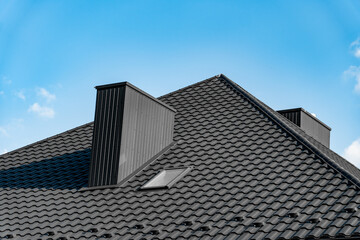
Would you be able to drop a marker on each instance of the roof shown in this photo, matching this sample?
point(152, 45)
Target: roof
point(254, 175)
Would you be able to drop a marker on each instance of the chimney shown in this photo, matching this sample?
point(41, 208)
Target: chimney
point(130, 127)
point(309, 123)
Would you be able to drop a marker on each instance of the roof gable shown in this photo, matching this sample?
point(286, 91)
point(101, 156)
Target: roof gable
point(250, 178)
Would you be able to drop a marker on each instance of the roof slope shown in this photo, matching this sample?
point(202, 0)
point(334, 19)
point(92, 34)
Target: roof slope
point(333, 159)
point(252, 178)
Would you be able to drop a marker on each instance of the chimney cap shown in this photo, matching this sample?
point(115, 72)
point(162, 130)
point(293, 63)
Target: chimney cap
point(121, 84)
point(307, 113)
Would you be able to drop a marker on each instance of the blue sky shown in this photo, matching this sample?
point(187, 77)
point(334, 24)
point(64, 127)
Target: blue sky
point(287, 53)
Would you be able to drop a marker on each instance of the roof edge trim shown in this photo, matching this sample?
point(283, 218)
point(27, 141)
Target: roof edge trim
point(294, 134)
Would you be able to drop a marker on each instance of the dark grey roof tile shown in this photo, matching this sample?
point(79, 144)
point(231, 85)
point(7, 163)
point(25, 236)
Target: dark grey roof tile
point(274, 234)
point(346, 231)
point(244, 164)
point(330, 231)
point(315, 233)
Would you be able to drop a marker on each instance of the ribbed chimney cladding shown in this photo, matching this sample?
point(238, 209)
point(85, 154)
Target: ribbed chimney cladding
point(309, 123)
point(130, 127)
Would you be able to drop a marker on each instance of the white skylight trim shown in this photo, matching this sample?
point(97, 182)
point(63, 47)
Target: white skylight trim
point(166, 178)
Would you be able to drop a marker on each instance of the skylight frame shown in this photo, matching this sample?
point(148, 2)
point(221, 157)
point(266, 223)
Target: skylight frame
point(184, 171)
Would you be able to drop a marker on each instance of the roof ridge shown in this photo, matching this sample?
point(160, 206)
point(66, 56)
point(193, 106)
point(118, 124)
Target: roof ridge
point(262, 107)
point(45, 139)
point(191, 85)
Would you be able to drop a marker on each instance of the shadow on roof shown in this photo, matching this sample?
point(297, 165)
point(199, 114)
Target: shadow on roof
point(68, 171)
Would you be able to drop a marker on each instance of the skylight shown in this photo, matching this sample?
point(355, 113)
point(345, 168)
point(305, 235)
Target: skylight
point(166, 178)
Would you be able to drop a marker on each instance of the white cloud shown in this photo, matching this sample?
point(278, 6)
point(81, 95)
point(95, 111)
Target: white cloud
point(355, 47)
point(20, 94)
point(3, 131)
point(46, 94)
point(353, 72)
point(45, 112)
point(357, 53)
point(352, 152)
